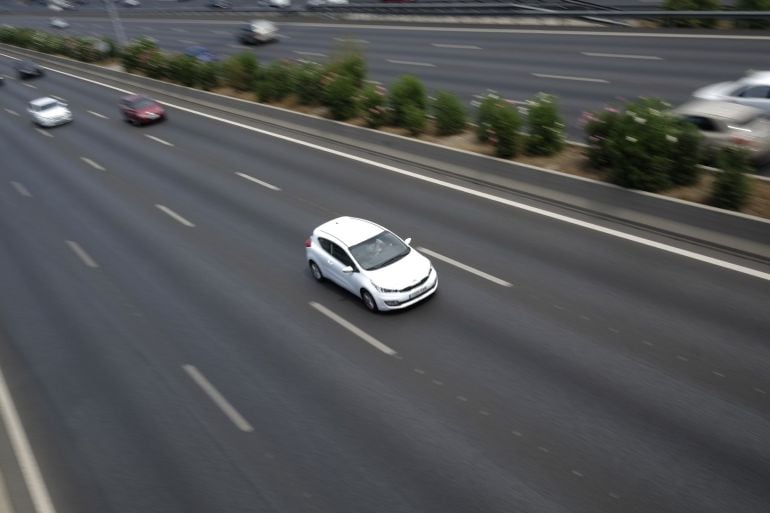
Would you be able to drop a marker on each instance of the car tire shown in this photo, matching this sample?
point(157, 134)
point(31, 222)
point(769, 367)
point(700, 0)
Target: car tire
point(316, 271)
point(369, 301)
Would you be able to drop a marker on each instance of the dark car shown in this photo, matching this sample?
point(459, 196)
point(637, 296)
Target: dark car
point(28, 69)
point(201, 53)
point(140, 110)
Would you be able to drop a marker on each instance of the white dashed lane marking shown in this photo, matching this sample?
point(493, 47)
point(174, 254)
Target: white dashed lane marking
point(456, 47)
point(23, 191)
point(622, 56)
point(310, 54)
point(97, 114)
point(44, 132)
point(353, 329)
point(258, 181)
point(464, 267)
point(12, 112)
point(81, 254)
point(218, 398)
point(158, 139)
point(412, 63)
point(92, 163)
point(565, 77)
point(173, 215)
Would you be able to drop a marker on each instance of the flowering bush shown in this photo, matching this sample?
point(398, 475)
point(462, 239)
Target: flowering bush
point(349, 62)
point(450, 114)
point(486, 110)
point(373, 105)
point(546, 129)
point(644, 146)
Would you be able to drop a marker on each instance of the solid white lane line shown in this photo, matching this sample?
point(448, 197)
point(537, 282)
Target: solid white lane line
point(158, 139)
point(92, 163)
point(12, 112)
point(175, 216)
point(623, 56)
point(81, 253)
point(218, 398)
point(353, 329)
point(412, 63)
point(44, 132)
point(457, 47)
point(464, 267)
point(471, 192)
point(31, 86)
point(30, 470)
point(97, 114)
point(565, 77)
point(23, 191)
point(260, 182)
point(349, 40)
point(311, 54)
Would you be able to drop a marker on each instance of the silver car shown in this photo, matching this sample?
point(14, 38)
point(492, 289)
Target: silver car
point(729, 125)
point(371, 263)
point(49, 112)
point(753, 90)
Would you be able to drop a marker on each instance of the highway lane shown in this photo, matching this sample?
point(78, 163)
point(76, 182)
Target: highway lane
point(534, 397)
point(585, 71)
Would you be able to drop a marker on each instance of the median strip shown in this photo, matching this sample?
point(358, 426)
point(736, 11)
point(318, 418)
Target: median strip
point(464, 267)
point(353, 329)
point(218, 398)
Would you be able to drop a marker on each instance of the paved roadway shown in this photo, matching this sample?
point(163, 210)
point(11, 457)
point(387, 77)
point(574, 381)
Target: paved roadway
point(139, 270)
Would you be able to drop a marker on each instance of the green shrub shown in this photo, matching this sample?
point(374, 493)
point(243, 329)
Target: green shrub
point(546, 129)
point(407, 90)
point(135, 54)
point(486, 111)
point(691, 5)
point(645, 146)
point(208, 75)
point(731, 188)
point(373, 105)
point(450, 114)
point(340, 97)
point(240, 71)
point(275, 84)
point(504, 124)
point(414, 119)
point(158, 66)
point(348, 61)
point(753, 5)
point(307, 83)
point(183, 69)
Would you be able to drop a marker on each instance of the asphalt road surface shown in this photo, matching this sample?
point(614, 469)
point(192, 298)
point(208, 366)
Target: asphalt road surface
point(170, 352)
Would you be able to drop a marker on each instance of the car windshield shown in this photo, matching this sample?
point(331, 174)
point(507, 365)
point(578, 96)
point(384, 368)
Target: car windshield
point(143, 103)
point(45, 106)
point(381, 250)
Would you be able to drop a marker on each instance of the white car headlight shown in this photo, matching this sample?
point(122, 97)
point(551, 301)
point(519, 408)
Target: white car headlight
point(382, 289)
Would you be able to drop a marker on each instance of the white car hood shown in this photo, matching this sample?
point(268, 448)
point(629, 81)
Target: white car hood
point(54, 113)
point(403, 273)
point(714, 91)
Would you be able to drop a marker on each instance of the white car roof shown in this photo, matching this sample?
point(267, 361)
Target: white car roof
point(350, 230)
point(42, 101)
point(757, 77)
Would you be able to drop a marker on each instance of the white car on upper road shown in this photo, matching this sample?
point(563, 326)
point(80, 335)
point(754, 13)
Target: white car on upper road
point(753, 90)
point(49, 112)
point(59, 23)
point(370, 262)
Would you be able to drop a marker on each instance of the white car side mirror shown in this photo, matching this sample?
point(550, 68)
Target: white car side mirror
point(408, 240)
point(348, 269)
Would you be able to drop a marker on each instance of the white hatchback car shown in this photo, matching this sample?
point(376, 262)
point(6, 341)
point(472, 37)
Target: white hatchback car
point(370, 262)
point(48, 112)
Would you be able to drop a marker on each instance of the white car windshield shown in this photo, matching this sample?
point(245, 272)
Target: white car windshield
point(45, 106)
point(381, 250)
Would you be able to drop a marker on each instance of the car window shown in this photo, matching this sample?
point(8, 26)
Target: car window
point(381, 250)
point(325, 244)
point(703, 123)
point(341, 255)
point(760, 91)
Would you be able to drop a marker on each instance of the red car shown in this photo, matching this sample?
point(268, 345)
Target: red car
point(140, 110)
